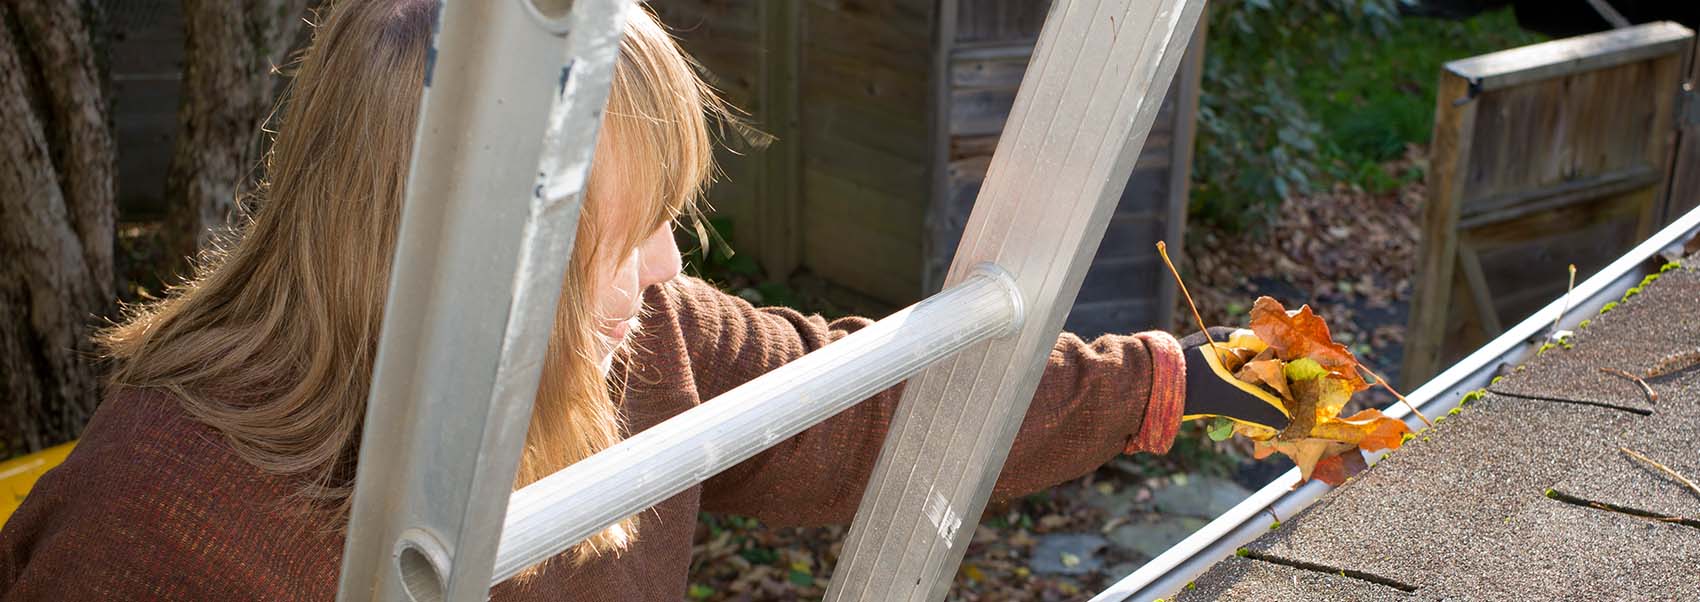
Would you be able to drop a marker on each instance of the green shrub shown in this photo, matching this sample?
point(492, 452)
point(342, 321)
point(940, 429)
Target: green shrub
point(1298, 94)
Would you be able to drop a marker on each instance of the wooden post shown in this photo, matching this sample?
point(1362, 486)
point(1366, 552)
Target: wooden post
point(1682, 192)
point(1449, 156)
point(779, 201)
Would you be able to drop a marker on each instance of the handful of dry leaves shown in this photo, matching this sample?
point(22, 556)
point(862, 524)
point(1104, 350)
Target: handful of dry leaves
point(1294, 358)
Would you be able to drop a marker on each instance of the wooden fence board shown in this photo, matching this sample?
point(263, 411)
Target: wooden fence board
point(1543, 156)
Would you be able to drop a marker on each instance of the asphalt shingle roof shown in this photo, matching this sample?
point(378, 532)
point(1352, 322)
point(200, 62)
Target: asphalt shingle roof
point(1525, 494)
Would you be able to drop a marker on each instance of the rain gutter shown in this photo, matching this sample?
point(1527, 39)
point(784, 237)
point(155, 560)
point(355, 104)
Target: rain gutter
point(1279, 500)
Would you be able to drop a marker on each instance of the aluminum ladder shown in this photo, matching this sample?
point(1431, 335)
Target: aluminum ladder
point(491, 211)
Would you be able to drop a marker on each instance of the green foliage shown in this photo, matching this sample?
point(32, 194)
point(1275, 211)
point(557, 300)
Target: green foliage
point(802, 578)
point(1298, 93)
point(759, 555)
point(714, 260)
point(1221, 429)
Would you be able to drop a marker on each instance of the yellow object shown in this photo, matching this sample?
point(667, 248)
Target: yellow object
point(1215, 362)
point(1246, 339)
point(18, 475)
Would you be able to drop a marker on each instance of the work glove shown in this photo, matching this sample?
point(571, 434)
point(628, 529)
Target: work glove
point(1212, 391)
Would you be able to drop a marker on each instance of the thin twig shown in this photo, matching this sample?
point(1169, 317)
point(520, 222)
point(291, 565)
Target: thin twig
point(1383, 382)
point(1652, 396)
point(1674, 474)
point(1681, 360)
point(1662, 519)
point(1566, 308)
point(1163, 251)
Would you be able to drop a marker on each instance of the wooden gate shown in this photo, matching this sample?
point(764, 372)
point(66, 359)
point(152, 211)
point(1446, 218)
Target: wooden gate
point(1546, 155)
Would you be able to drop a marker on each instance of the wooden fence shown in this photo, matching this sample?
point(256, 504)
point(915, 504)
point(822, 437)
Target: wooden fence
point(1543, 156)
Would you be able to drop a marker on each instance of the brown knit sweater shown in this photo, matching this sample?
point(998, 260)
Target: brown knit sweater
point(154, 506)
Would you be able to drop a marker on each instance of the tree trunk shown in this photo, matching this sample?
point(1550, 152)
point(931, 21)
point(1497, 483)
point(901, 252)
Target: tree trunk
point(56, 220)
point(233, 49)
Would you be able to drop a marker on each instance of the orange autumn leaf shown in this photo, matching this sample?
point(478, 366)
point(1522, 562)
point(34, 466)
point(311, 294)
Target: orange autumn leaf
point(1369, 429)
point(1267, 372)
point(1336, 469)
point(1324, 445)
point(1303, 335)
point(1305, 453)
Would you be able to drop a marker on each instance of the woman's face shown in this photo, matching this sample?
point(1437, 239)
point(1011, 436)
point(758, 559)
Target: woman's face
point(622, 280)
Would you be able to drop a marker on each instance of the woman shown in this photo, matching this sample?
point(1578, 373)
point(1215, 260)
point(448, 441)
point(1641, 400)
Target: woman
point(221, 464)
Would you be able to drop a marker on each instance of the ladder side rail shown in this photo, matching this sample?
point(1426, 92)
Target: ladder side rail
point(562, 509)
point(1091, 94)
point(486, 234)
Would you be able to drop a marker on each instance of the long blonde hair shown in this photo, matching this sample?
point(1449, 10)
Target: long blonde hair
point(272, 341)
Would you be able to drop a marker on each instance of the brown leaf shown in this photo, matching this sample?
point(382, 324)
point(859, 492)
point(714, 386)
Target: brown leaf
point(1335, 470)
point(1305, 453)
point(1369, 429)
point(1266, 372)
point(1303, 334)
point(1315, 401)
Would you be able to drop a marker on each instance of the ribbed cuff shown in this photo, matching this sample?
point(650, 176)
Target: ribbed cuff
point(1168, 396)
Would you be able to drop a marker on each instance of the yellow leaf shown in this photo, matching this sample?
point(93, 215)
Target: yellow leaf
point(1370, 430)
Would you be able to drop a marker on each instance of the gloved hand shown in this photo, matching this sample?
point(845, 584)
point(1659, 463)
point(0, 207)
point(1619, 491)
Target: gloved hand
point(1213, 391)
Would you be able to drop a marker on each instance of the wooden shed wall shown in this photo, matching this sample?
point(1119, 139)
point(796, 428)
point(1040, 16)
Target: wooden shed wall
point(1126, 288)
point(865, 160)
point(725, 36)
point(857, 71)
point(897, 112)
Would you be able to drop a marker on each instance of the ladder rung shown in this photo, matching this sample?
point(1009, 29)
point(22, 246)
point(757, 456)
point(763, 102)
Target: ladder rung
point(564, 508)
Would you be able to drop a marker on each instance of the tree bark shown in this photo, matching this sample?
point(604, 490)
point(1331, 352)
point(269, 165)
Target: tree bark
point(56, 220)
point(233, 50)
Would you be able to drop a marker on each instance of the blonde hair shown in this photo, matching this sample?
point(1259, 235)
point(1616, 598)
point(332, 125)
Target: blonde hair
point(272, 341)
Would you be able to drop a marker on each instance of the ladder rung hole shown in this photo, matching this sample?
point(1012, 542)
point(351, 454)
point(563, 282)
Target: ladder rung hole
point(551, 14)
point(418, 575)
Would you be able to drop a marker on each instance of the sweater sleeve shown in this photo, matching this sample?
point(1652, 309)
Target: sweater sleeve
point(1118, 393)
